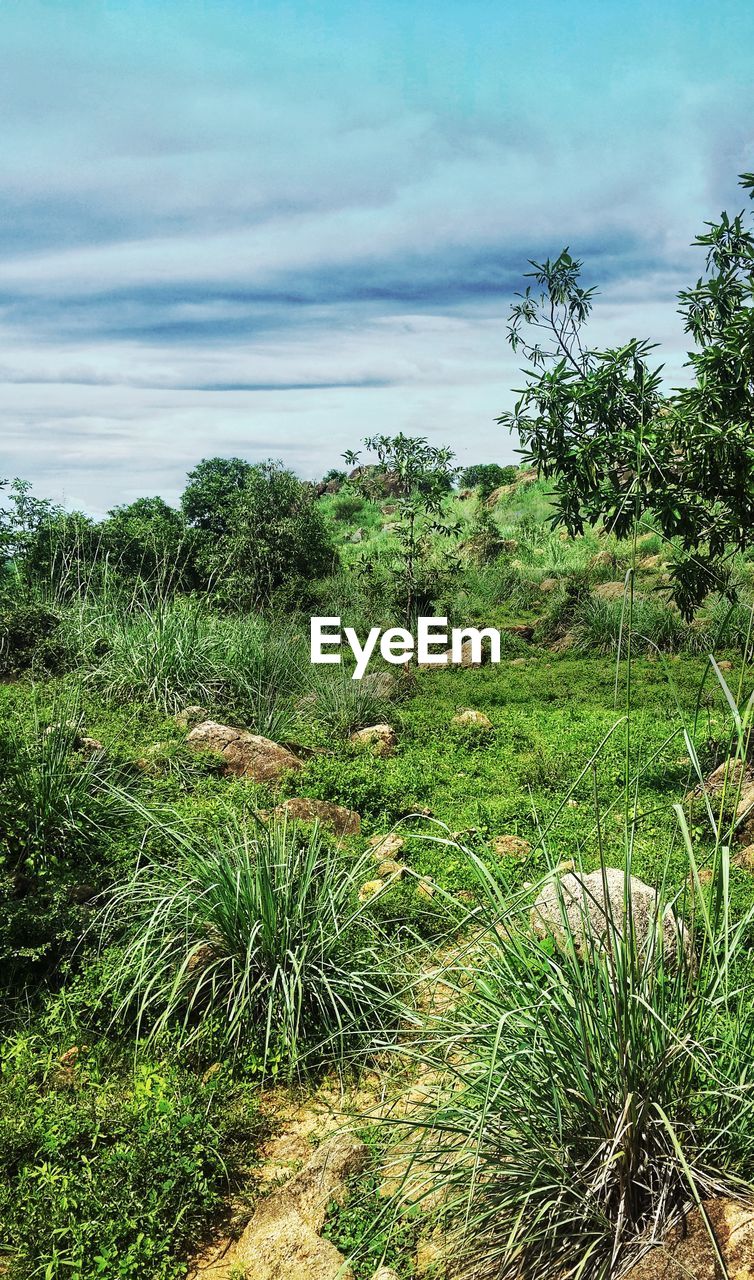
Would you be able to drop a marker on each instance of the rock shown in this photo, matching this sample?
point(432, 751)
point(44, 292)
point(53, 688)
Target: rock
point(511, 847)
point(581, 900)
point(602, 560)
point(744, 859)
point(90, 746)
point(547, 585)
point(688, 1252)
point(725, 665)
point(245, 755)
point(522, 630)
point(357, 536)
point(471, 719)
point(82, 893)
point(430, 1259)
point(518, 662)
point(370, 889)
point(390, 868)
point(336, 818)
point(497, 495)
point(386, 846)
point(380, 684)
point(651, 562)
point(610, 590)
point(385, 1273)
point(563, 643)
point(282, 1241)
point(189, 716)
point(380, 738)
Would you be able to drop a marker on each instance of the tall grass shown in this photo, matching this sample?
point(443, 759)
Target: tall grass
point(56, 802)
point(251, 941)
point(169, 653)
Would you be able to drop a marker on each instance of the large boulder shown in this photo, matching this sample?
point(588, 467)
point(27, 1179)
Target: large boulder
point(282, 1241)
point(688, 1251)
point(584, 905)
point(336, 818)
point(245, 755)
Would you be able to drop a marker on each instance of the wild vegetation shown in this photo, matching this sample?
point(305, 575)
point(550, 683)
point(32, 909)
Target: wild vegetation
point(219, 895)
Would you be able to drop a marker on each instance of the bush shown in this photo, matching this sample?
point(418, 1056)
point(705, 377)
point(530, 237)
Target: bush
point(586, 1095)
point(106, 1173)
point(250, 943)
point(29, 636)
point(486, 476)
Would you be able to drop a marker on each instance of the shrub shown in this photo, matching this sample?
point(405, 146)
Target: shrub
point(487, 476)
point(600, 624)
point(28, 637)
point(342, 704)
point(111, 1173)
point(251, 942)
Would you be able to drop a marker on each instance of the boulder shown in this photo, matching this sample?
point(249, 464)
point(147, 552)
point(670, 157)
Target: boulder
point(245, 755)
point(744, 859)
point(521, 630)
point(336, 818)
point(471, 719)
point(380, 684)
point(511, 847)
point(547, 585)
point(581, 901)
point(282, 1241)
point(379, 738)
point(688, 1251)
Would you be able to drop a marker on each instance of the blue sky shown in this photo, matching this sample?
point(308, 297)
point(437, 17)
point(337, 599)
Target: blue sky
point(271, 229)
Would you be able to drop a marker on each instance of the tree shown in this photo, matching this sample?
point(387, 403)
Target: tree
point(619, 448)
point(209, 499)
point(486, 476)
point(275, 538)
point(151, 540)
point(421, 477)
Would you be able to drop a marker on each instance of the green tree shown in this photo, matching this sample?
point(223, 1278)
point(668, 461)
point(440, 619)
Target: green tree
point(420, 477)
point(617, 447)
point(486, 476)
point(275, 540)
point(209, 499)
point(151, 540)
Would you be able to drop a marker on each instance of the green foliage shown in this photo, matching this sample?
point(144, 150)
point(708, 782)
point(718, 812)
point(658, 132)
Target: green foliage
point(598, 424)
point(147, 539)
point(250, 941)
point(486, 476)
point(273, 541)
point(110, 1173)
point(28, 636)
point(419, 476)
point(209, 500)
point(171, 653)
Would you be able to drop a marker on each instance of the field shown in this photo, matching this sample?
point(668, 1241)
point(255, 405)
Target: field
point(187, 970)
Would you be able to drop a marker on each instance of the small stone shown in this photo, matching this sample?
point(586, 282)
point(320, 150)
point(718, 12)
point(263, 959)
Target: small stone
point(725, 665)
point(189, 716)
point(518, 662)
point(511, 847)
point(389, 869)
point(744, 859)
point(471, 719)
point(370, 889)
point(385, 1273)
point(547, 585)
point(336, 818)
point(380, 738)
point(386, 846)
point(571, 803)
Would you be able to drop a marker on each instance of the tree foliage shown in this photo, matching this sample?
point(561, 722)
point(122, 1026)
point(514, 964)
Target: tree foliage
point(618, 447)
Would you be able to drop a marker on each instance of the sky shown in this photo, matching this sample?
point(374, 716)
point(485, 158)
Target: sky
point(271, 229)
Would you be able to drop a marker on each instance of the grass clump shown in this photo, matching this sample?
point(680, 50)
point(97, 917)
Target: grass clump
point(252, 942)
point(591, 1092)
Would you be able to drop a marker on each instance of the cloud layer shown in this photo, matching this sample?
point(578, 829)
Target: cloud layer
point(228, 230)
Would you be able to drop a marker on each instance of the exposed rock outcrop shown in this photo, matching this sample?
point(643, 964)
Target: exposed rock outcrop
point(245, 755)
